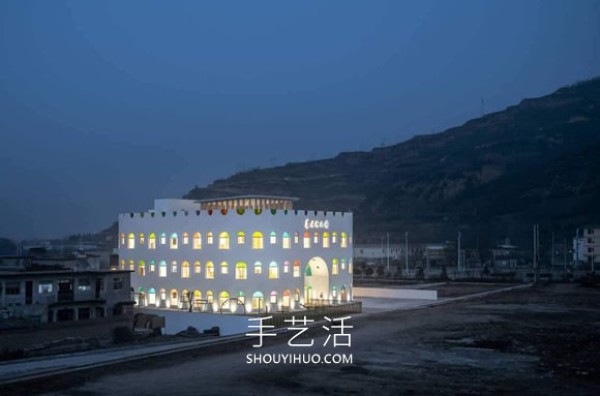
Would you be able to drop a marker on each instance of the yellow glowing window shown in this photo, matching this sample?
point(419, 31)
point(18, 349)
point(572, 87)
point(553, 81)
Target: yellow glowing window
point(258, 268)
point(334, 237)
point(241, 271)
point(344, 240)
point(224, 268)
point(285, 241)
point(306, 240)
point(131, 241)
point(185, 269)
point(141, 268)
point(296, 268)
point(241, 238)
point(273, 238)
point(257, 240)
point(123, 264)
point(197, 267)
point(209, 296)
point(258, 301)
point(334, 267)
point(162, 269)
point(325, 239)
point(185, 238)
point(197, 295)
point(273, 270)
point(197, 242)
point(210, 270)
point(209, 238)
point(152, 241)
point(241, 297)
point(142, 238)
point(174, 244)
point(131, 265)
point(224, 241)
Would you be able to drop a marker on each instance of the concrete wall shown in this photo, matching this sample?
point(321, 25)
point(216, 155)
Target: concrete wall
point(395, 293)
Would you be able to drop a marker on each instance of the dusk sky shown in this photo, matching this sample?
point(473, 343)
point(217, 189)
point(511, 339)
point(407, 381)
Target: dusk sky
point(105, 106)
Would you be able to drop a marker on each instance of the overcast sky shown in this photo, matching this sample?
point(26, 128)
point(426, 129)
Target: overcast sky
point(106, 105)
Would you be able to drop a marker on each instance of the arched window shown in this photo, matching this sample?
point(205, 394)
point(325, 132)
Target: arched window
point(122, 239)
point(273, 297)
point(162, 269)
point(343, 264)
point(151, 296)
point(209, 238)
point(241, 238)
point(344, 240)
point(152, 241)
point(296, 238)
point(142, 238)
point(334, 237)
point(224, 300)
point(174, 298)
point(241, 296)
point(210, 270)
point(163, 238)
point(258, 268)
point(141, 268)
point(296, 268)
point(334, 292)
point(185, 238)
point(131, 265)
point(131, 241)
point(197, 242)
point(209, 296)
point(123, 264)
point(174, 242)
point(174, 266)
point(306, 240)
point(286, 267)
point(224, 268)
point(286, 298)
point(241, 271)
point(285, 241)
point(273, 270)
point(350, 267)
point(224, 240)
point(258, 301)
point(152, 266)
point(316, 237)
point(197, 295)
point(334, 267)
point(163, 296)
point(273, 238)
point(197, 267)
point(257, 240)
point(185, 269)
point(325, 239)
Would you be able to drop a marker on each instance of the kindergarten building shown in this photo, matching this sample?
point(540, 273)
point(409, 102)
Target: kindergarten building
point(237, 254)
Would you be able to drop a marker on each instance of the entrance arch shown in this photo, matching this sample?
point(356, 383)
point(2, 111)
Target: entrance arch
point(316, 281)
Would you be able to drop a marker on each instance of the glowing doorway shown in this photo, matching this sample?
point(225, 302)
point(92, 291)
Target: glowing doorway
point(316, 281)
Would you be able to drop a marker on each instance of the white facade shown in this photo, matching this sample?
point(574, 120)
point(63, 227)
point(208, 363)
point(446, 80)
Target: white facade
point(267, 259)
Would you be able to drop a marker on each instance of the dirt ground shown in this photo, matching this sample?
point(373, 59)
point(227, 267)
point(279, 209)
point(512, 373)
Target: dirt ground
point(537, 341)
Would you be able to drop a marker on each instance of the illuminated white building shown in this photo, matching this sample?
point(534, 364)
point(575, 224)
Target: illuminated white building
point(251, 253)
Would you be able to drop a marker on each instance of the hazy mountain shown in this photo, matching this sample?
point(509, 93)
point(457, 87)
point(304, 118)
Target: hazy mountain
point(494, 176)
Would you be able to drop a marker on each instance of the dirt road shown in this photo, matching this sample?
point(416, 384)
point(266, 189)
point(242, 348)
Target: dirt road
point(538, 341)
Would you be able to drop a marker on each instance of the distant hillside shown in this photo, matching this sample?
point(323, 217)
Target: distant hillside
point(494, 176)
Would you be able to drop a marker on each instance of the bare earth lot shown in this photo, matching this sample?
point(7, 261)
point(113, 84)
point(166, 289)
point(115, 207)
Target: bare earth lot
point(537, 341)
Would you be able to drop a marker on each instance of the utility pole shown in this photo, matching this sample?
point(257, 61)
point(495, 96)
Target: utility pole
point(458, 256)
point(388, 252)
point(406, 252)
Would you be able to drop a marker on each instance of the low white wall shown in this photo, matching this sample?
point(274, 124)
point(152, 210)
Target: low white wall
point(176, 321)
point(395, 293)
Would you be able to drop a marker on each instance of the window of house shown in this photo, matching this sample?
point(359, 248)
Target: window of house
point(197, 267)
point(131, 241)
point(174, 241)
point(241, 238)
point(185, 238)
point(209, 238)
point(334, 237)
point(343, 264)
point(122, 239)
point(197, 241)
point(334, 267)
point(273, 270)
point(117, 283)
point(152, 241)
point(325, 239)
point(131, 265)
point(258, 268)
point(241, 270)
point(162, 269)
point(84, 284)
point(174, 266)
point(210, 270)
point(224, 268)
point(273, 238)
point(142, 238)
point(344, 240)
point(296, 238)
point(296, 268)
point(286, 267)
point(45, 287)
point(152, 266)
point(306, 240)
point(163, 238)
point(316, 237)
point(257, 240)
point(285, 241)
point(141, 268)
point(185, 269)
point(224, 241)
